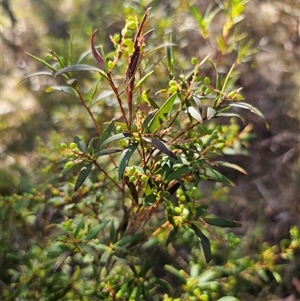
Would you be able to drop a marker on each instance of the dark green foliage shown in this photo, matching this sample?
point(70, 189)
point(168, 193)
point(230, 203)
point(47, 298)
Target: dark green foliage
point(120, 214)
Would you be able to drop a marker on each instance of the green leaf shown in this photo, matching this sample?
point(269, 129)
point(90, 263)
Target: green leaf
point(70, 50)
point(103, 95)
point(221, 114)
point(83, 174)
point(201, 210)
point(170, 57)
point(47, 73)
point(142, 80)
point(216, 176)
point(112, 232)
point(59, 59)
point(83, 56)
point(114, 138)
point(160, 145)
point(42, 62)
point(135, 272)
point(227, 79)
point(211, 113)
point(198, 103)
point(172, 235)
point(150, 199)
point(153, 50)
point(149, 263)
point(175, 272)
point(80, 67)
point(125, 157)
point(207, 276)
point(178, 173)
point(222, 222)
point(128, 239)
point(194, 113)
point(89, 250)
point(79, 227)
point(147, 120)
point(106, 151)
point(105, 256)
point(204, 242)
point(80, 144)
point(65, 89)
point(94, 231)
point(162, 113)
point(233, 166)
point(62, 257)
point(247, 106)
point(138, 293)
point(106, 133)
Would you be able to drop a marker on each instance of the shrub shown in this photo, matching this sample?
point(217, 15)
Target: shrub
point(122, 216)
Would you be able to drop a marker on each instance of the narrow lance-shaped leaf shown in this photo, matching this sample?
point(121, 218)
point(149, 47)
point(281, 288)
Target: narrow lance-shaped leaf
point(94, 231)
point(216, 176)
point(83, 174)
point(59, 59)
point(42, 62)
point(141, 81)
point(106, 133)
point(149, 262)
point(194, 113)
point(125, 157)
point(88, 249)
point(223, 87)
point(62, 257)
point(170, 57)
point(198, 104)
point(160, 145)
point(80, 67)
point(95, 52)
point(178, 173)
point(175, 272)
point(79, 227)
point(128, 239)
point(161, 114)
point(65, 89)
point(221, 114)
point(222, 222)
point(115, 138)
point(172, 235)
point(155, 49)
point(247, 106)
point(106, 151)
point(148, 119)
point(204, 60)
point(227, 79)
point(231, 165)
point(211, 113)
point(80, 144)
point(112, 232)
point(47, 73)
point(204, 242)
point(70, 50)
point(138, 292)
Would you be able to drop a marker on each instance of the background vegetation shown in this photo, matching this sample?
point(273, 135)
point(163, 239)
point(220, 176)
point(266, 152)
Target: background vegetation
point(265, 265)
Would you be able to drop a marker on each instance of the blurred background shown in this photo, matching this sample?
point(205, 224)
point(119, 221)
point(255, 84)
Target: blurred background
point(266, 201)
